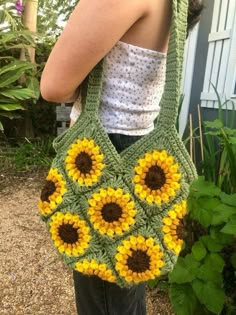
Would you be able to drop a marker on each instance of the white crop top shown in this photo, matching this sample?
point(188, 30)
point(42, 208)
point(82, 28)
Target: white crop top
point(133, 84)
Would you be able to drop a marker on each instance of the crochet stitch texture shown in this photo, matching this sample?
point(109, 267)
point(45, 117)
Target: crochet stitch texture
point(119, 216)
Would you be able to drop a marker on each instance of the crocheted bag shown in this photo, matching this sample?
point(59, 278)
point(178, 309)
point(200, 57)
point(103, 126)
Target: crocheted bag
point(119, 216)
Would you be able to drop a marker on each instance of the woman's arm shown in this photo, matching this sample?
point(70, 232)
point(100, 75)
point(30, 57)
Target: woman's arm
point(94, 27)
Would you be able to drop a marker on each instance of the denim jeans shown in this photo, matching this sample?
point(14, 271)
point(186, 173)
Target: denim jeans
point(95, 296)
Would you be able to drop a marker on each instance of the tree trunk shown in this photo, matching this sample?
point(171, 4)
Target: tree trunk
point(29, 19)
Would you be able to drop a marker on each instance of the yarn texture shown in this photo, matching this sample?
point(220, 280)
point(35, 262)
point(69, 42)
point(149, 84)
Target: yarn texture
point(120, 216)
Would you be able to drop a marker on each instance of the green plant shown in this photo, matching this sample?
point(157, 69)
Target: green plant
point(224, 159)
point(38, 152)
point(52, 15)
point(13, 37)
point(217, 141)
point(203, 280)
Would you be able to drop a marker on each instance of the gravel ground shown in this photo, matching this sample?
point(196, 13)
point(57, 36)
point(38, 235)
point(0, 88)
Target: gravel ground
point(34, 281)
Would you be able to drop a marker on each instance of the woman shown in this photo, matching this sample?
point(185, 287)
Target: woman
point(133, 35)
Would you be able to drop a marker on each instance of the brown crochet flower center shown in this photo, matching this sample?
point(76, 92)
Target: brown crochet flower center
point(48, 189)
point(84, 162)
point(155, 177)
point(68, 233)
point(111, 212)
point(180, 230)
point(139, 261)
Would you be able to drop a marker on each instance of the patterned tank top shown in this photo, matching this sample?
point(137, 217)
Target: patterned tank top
point(134, 79)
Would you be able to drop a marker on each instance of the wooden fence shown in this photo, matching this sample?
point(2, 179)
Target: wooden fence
point(221, 59)
point(63, 117)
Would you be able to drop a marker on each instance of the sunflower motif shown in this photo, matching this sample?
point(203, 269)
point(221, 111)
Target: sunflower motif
point(84, 162)
point(173, 227)
point(111, 211)
point(94, 268)
point(52, 193)
point(156, 177)
point(69, 233)
point(139, 259)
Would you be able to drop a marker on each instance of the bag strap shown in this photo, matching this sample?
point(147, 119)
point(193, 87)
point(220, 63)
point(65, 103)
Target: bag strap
point(170, 99)
point(92, 89)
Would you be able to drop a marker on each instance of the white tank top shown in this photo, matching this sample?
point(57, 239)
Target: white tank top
point(133, 84)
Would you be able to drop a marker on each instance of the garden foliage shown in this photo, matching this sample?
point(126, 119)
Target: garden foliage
point(204, 279)
point(219, 147)
point(14, 90)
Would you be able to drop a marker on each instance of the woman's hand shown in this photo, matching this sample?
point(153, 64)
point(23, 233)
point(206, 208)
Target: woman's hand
point(94, 27)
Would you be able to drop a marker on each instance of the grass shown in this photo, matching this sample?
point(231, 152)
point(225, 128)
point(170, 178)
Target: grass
point(27, 154)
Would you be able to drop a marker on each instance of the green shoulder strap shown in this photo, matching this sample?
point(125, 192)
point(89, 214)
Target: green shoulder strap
point(170, 99)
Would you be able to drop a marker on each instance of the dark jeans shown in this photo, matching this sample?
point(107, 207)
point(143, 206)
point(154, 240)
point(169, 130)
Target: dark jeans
point(95, 296)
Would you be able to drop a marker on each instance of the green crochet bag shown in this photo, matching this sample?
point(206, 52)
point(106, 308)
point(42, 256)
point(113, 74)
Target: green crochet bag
point(119, 216)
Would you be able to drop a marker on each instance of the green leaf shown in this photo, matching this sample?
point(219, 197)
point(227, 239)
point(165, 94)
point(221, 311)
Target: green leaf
point(12, 77)
point(221, 213)
point(199, 251)
point(201, 209)
point(212, 244)
point(10, 107)
point(1, 126)
point(183, 299)
point(228, 199)
point(212, 296)
point(222, 238)
point(20, 45)
point(212, 133)
point(202, 216)
point(209, 203)
point(215, 124)
point(15, 66)
point(18, 93)
point(230, 227)
point(232, 140)
point(220, 105)
point(152, 283)
point(207, 272)
point(185, 270)
point(33, 85)
point(8, 79)
point(10, 115)
point(4, 100)
point(200, 188)
point(231, 157)
point(163, 285)
point(215, 261)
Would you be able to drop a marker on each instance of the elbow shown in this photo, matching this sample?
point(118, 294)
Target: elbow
point(57, 89)
point(52, 93)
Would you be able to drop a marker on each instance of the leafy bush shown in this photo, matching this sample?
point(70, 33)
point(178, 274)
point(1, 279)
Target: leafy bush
point(26, 155)
point(13, 38)
point(217, 141)
point(204, 277)
point(38, 152)
point(203, 280)
point(220, 155)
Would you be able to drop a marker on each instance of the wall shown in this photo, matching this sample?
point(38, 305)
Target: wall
point(200, 60)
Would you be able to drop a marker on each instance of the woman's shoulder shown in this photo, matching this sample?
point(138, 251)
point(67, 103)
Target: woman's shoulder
point(94, 27)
